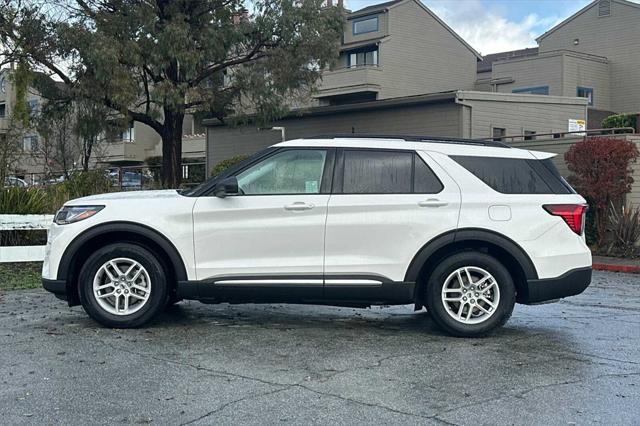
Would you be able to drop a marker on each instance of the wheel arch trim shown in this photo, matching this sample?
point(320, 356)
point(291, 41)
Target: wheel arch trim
point(145, 231)
point(471, 235)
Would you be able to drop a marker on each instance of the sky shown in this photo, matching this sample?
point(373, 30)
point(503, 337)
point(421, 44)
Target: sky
point(491, 26)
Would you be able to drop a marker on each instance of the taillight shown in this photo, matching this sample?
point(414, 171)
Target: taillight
point(573, 214)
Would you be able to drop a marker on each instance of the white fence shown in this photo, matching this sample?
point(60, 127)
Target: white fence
point(23, 222)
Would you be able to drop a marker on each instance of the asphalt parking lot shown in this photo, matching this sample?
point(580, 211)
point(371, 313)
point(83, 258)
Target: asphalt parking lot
point(577, 361)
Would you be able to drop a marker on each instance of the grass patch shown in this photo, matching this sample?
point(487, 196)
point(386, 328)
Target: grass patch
point(17, 276)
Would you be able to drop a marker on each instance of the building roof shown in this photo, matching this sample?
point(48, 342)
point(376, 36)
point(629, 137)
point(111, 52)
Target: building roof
point(580, 12)
point(487, 61)
point(375, 7)
point(454, 96)
point(394, 3)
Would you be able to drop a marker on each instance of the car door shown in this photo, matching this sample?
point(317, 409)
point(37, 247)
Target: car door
point(267, 242)
point(385, 206)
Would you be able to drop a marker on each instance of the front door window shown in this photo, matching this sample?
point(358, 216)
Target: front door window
point(287, 172)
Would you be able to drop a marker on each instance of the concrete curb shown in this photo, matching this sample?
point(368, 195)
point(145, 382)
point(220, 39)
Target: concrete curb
point(629, 269)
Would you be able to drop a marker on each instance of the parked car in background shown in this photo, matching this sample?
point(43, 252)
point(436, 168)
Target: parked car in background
point(13, 181)
point(130, 179)
point(463, 228)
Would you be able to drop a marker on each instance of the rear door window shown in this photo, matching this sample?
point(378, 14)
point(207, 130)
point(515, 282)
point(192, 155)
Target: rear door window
point(516, 175)
point(386, 172)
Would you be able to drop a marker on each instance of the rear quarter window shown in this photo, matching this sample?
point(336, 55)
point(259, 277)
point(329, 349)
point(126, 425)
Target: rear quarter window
point(516, 175)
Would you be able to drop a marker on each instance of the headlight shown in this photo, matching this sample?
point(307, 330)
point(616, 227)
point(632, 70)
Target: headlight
point(71, 214)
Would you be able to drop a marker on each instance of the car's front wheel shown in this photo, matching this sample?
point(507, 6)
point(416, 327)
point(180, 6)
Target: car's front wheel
point(122, 285)
point(470, 293)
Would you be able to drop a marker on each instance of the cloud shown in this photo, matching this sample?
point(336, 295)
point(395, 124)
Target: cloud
point(487, 30)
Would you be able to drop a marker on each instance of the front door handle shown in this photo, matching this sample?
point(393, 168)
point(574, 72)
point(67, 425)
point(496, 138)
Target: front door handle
point(299, 206)
point(432, 202)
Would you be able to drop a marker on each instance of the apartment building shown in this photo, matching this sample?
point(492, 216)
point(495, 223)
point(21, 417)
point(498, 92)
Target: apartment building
point(128, 147)
point(394, 49)
point(27, 141)
point(594, 54)
point(401, 69)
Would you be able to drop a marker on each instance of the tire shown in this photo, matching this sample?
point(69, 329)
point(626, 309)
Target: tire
point(146, 291)
point(466, 318)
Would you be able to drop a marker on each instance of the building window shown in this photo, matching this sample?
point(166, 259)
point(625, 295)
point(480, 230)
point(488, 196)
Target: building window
point(604, 8)
point(33, 107)
point(30, 143)
point(529, 135)
point(498, 134)
point(128, 135)
point(363, 58)
point(585, 92)
point(3, 110)
point(365, 25)
point(540, 90)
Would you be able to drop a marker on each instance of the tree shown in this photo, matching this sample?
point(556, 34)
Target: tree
point(92, 121)
point(58, 147)
point(152, 61)
point(601, 172)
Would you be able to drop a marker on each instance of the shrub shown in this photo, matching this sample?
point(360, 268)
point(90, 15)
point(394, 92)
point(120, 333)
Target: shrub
point(225, 164)
point(81, 184)
point(625, 230)
point(601, 172)
point(17, 200)
point(620, 120)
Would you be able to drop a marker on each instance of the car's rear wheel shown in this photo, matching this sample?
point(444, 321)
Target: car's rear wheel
point(470, 293)
point(122, 285)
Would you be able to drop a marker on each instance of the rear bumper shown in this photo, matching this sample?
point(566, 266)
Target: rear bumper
point(568, 284)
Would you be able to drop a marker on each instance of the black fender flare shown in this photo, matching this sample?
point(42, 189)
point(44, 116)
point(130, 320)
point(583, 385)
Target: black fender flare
point(156, 237)
point(471, 235)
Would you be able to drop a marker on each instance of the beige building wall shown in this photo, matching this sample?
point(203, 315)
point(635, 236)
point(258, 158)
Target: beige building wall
point(616, 37)
point(562, 71)
point(439, 119)
point(516, 113)
point(422, 55)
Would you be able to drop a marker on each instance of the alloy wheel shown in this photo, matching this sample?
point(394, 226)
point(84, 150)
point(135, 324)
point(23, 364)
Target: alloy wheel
point(470, 295)
point(122, 286)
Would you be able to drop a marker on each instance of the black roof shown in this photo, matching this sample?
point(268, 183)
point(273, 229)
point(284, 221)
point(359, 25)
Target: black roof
point(413, 138)
point(487, 60)
point(375, 7)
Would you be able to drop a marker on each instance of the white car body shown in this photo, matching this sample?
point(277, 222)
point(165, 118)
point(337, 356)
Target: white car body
point(322, 243)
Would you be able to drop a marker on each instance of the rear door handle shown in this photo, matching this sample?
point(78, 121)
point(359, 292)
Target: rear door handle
point(299, 206)
point(432, 202)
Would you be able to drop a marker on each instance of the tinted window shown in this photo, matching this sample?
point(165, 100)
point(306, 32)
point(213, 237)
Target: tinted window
point(514, 175)
point(425, 181)
point(287, 172)
point(366, 25)
point(387, 172)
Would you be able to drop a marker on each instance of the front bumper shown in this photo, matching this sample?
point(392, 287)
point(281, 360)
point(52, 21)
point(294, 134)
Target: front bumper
point(57, 287)
point(570, 283)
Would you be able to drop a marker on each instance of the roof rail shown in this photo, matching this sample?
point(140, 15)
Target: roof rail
point(411, 138)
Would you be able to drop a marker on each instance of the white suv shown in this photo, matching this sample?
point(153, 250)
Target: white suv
point(463, 228)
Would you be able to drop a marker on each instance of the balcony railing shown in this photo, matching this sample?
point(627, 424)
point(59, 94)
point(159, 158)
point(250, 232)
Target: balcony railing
point(351, 77)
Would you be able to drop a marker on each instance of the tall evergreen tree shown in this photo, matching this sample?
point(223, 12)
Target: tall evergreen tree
point(153, 61)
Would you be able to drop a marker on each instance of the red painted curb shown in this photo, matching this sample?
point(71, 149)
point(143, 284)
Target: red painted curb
point(630, 269)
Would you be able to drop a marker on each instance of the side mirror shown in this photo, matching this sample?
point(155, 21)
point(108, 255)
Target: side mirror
point(227, 186)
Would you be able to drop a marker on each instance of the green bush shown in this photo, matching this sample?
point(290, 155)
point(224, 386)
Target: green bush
point(81, 184)
point(42, 200)
point(225, 164)
point(17, 200)
point(620, 120)
point(624, 226)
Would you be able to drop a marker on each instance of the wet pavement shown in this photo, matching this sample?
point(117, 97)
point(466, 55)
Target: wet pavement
point(576, 361)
